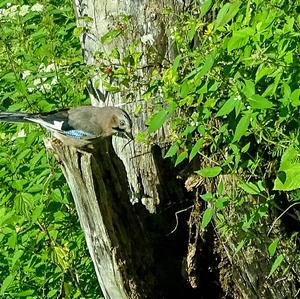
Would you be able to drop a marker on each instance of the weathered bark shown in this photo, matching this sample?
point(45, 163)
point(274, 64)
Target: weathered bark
point(146, 19)
point(113, 232)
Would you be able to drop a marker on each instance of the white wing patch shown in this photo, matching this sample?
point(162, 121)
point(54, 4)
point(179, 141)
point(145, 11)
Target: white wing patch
point(55, 127)
point(58, 124)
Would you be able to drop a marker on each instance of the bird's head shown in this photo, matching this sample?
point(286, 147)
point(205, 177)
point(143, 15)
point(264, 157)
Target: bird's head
point(122, 124)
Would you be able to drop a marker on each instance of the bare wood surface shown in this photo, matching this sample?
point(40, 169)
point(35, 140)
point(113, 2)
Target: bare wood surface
point(113, 232)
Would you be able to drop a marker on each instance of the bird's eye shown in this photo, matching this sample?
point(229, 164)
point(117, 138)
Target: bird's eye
point(122, 123)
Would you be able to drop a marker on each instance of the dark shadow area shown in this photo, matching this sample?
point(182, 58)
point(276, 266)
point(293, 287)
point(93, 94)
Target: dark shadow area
point(170, 249)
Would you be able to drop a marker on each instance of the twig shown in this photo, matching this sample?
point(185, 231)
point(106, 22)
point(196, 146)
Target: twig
point(294, 204)
point(126, 144)
point(176, 216)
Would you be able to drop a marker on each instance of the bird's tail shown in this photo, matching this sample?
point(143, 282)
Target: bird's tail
point(15, 117)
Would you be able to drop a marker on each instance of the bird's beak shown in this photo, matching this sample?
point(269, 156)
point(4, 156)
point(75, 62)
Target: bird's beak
point(129, 135)
point(124, 134)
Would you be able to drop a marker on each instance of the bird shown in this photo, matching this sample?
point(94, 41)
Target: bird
point(80, 126)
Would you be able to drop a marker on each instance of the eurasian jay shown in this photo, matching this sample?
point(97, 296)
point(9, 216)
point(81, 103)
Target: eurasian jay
point(80, 126)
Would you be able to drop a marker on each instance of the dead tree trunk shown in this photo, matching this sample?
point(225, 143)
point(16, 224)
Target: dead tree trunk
point(145, 19)
point(114, 234)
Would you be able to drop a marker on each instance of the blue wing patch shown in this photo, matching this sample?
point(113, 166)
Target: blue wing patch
point(78, 134)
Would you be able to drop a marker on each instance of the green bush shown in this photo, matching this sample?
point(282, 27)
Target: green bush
point(42, 248)
point(231, 102)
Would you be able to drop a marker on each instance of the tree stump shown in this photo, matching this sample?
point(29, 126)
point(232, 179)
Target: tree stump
point(113, 231)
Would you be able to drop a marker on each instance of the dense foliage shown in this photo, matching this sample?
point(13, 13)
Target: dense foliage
point(231, 99)
point(42, 249)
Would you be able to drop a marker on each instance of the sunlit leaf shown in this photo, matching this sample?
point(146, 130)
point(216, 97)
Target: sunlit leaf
point(109, 36)
point(157, 121)
point(258, 102)
point(227, 107)
point(262, 72)
point(172, 150)
point(6, 283)
point(288, 177)
point(272, 247)
point(250, 188)
point(227, 12)
point(276, 264)
point(240, 245)
point(242, 127)
point(239, 39)
point(209, 171)
point(196, 149)
point(205, 7)
point(181, 157)
point(206, 218)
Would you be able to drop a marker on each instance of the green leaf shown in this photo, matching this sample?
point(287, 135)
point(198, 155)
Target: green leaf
point(16, 257)
point(209, 171)
point(288, 177)
point(68, 287)
point(289, 158)
point(6, 283)
point(39, 34)
point(37, 212)
point(276, 264)
point(240, 246)
point(242, 127)
point(172, 150)
point(295, 98)
point(289, 57)
point(10, 77)
point(111, 87)
point(205, 7)
point(249, 88)
point(36, 188)
point(207, 196)
point(227, 107)
point(181, 157)
point(24, 153)
point(12, 240)
point(77, 31)
point(207, 216)
point(226, 13)
point(250, 188)
point(263, 71)
point(185, 89)
point(258, 102)
point(220, 188)
point(52, 293)
point(272, 247)
point(157, 121)
point(196, 149)
point(26, 293)
point(109, 36)
point(176, 63)
point(239, 39)
point(246, 147)
point(207, 65)
point(19, 184)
